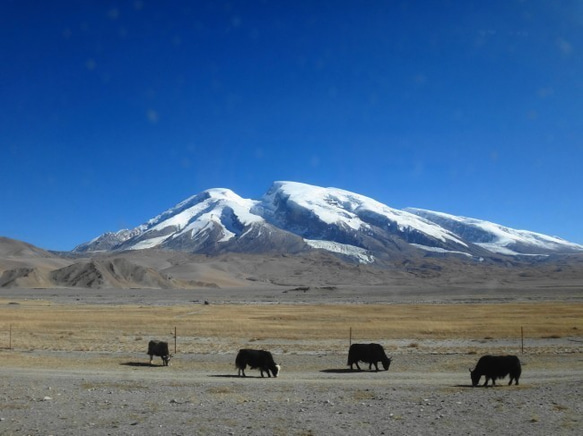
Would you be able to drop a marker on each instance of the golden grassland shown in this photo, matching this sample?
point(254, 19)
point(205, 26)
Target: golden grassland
point(34, 325)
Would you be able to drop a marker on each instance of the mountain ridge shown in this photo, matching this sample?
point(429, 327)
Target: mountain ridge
point(315, 269)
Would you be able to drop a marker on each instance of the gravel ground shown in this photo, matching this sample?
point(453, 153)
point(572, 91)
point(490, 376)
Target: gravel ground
point(424, 392)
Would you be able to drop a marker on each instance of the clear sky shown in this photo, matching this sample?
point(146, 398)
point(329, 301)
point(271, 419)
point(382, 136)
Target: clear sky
point(113, 111)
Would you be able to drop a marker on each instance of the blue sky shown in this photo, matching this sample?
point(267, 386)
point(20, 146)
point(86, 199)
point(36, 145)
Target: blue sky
point(114, 111)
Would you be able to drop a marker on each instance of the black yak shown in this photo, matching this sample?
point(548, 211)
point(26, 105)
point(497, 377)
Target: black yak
point(368, 353)
point(495, 367)
point(256, 359)
point(159, 348)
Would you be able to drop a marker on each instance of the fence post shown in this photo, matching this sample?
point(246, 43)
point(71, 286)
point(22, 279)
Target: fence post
point(350, 337)
point(174, 339)
point(521, 340)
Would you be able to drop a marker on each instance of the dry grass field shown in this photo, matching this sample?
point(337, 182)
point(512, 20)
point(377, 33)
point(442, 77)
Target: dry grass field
point(41, 325)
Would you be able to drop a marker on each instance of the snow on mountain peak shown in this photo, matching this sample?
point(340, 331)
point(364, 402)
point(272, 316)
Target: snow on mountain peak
point(495, 237)
point(335, 206)
point(330, 205)
point(214, 210)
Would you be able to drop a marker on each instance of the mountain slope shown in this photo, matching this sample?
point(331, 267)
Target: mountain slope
point(337, 216)
point(295, 217)
point(21, 262)
point(12, 248)
point(112, 273)
point(496, 238)
point(214, 221)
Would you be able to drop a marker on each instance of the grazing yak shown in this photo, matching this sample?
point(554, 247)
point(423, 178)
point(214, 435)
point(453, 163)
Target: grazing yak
point(368, 353)
point(495, 367)
point(159, 348)
point(256, 359)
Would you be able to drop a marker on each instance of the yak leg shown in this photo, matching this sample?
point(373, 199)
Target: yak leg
point(493, 381)
point(376, 367)
point(151, 359)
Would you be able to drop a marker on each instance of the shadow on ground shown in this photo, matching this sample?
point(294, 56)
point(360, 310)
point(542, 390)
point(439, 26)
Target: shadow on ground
point(140, 364)
point(236, 376)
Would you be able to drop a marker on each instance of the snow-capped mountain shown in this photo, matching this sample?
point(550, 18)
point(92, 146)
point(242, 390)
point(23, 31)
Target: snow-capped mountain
point(294, 217)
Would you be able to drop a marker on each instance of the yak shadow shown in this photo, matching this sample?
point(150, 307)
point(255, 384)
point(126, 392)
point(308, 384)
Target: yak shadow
point(224, 375)
point(471, 386)
point(140, 364)
point(237, 376)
